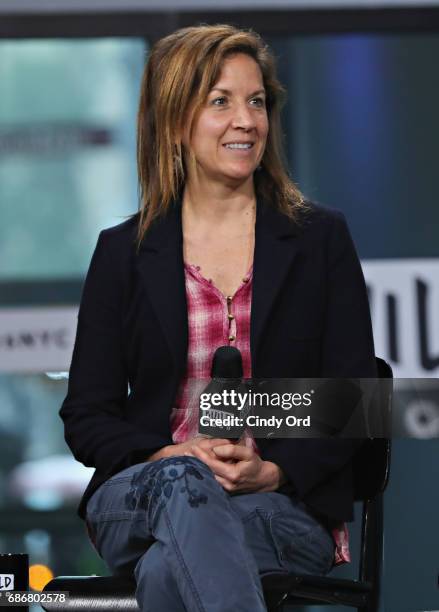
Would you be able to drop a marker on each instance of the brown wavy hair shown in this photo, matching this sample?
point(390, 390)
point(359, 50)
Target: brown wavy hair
point(181, 70)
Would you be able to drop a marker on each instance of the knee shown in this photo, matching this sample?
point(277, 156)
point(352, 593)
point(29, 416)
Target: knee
point(179, 469)
point(183, 461)
point(185, 477)
point(179, 476)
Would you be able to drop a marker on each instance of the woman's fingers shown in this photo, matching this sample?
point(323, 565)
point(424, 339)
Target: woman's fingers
point(213, 442)
point(209, 443)
point(234, 451)
point(234, 466)
point(229, 471)
point(226, 485)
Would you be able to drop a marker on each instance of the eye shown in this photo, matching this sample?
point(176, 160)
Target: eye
point(220, 101)
point(258, 101)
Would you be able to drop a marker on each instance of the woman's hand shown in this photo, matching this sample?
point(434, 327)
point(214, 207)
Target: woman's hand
point(206, 444)
point(238, 468)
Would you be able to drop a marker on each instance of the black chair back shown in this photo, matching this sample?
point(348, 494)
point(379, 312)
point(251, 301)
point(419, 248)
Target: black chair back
point(372, 462)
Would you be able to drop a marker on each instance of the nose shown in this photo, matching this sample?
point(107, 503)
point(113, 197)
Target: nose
point(242, 117)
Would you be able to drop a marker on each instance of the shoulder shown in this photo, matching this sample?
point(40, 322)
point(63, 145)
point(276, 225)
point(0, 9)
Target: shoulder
point(110, 268)
point(115, 250)
point(122, 236)
point(315, 217)
point(311, 223)
point(328, 227)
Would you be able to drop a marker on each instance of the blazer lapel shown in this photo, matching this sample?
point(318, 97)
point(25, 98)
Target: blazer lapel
point(161, 267)
point(275, 250)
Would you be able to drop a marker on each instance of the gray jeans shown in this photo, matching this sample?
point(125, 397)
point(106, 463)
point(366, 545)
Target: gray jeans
point(192, 546)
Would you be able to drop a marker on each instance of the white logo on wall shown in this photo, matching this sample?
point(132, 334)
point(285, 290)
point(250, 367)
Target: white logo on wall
point(36, 339)
point(6, 582)
point(404, 301)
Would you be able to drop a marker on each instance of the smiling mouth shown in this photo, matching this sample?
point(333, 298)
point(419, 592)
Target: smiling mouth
point(239, 146)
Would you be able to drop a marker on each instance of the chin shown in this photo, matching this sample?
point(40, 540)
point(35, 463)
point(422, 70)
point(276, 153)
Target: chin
point(238, 178)
point(240, 174)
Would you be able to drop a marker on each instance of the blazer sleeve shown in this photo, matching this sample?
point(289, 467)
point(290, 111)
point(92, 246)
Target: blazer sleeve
point(347, 351)
point(95, 428)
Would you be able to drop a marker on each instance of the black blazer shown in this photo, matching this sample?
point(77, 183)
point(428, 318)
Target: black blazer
point(309, 318)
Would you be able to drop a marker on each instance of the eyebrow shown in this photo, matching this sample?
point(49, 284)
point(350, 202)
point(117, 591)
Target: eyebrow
point(227, 91)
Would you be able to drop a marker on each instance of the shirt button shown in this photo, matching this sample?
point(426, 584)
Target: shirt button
point(231, 338)
point(229, 298)
point(230, 317)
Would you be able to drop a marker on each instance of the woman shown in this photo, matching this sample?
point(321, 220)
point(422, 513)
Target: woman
point(223, 251)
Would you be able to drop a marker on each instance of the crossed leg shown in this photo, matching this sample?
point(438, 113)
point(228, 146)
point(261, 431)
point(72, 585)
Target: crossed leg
point(192, 546)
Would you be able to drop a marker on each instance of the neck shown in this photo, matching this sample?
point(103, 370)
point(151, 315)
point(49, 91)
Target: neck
point(219, 204)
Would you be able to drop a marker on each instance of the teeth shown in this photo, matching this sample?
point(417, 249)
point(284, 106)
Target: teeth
point(236, 145)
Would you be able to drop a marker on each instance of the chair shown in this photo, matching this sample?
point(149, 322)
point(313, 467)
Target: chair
point(371, 472)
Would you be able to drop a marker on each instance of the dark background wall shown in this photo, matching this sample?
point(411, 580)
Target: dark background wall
point(363, 129)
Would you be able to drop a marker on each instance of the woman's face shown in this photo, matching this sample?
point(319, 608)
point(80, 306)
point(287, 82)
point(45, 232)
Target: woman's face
point(230, 132)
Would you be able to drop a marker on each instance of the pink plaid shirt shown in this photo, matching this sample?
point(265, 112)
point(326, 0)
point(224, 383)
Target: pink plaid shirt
point(215, 320)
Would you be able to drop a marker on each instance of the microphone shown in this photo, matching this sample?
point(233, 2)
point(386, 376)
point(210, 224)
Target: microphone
point(224, 414)
point(227, 363)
